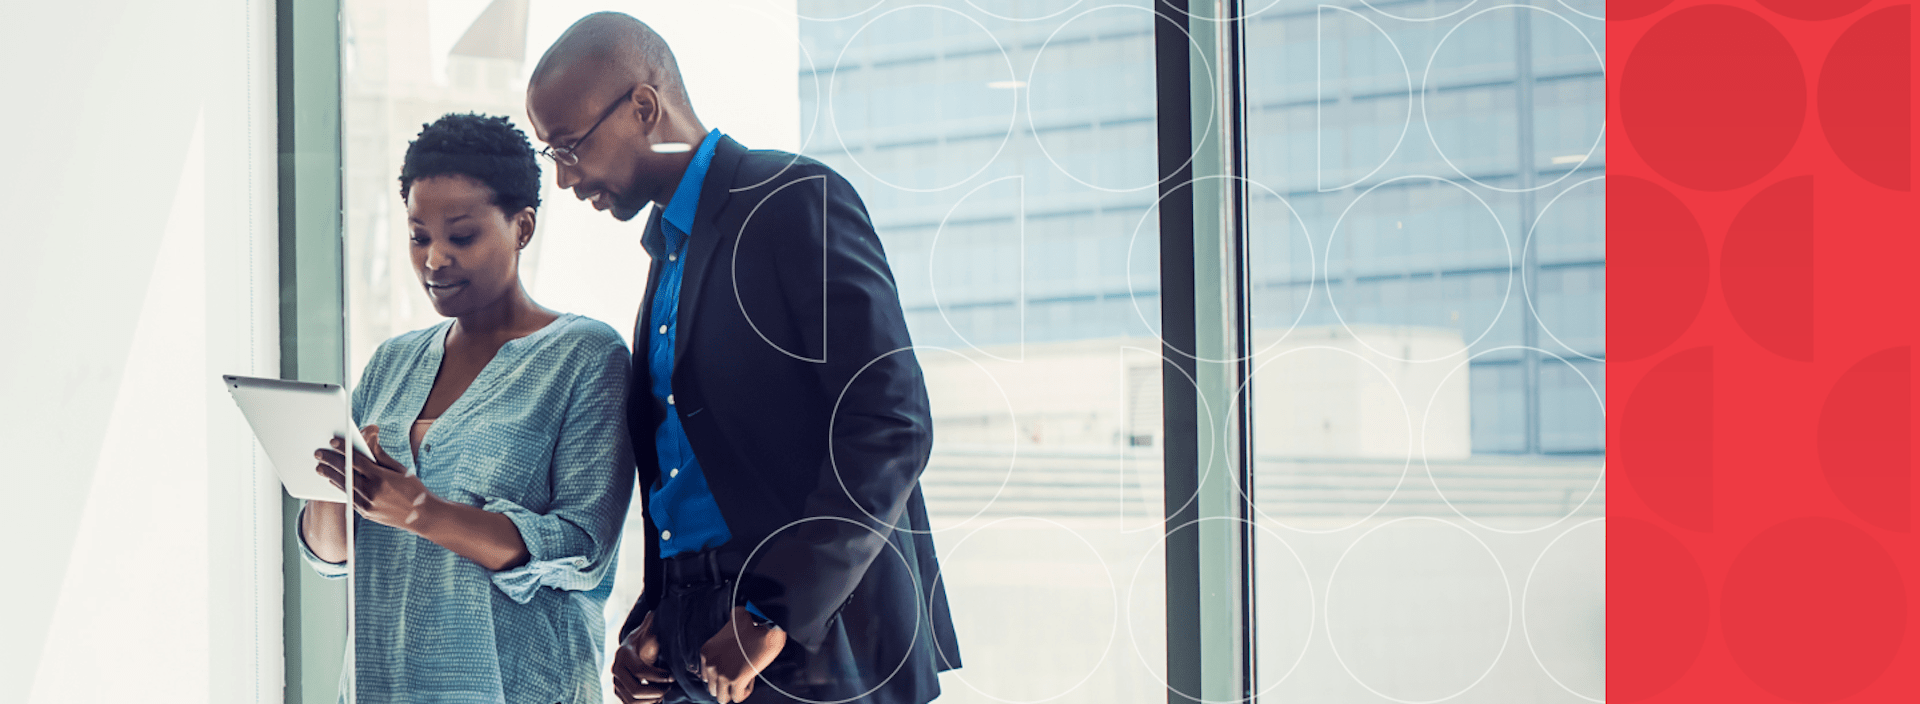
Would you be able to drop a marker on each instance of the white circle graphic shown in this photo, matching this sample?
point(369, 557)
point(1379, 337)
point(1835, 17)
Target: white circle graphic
point(1526, 287)
point(1602, 9)
point(1406, 123)
point(1398, 623)
point(1133, 294)
point(1409, 18)
point(1031, 598)
point(1242, 393)
point(1599, 478)
point(1426, 78)
point(1147, 115)
point(920, 622)
point(1327, 267)
point(1562, 612)
point(1013, 16)
point(978, 83)
point(833, 460)
point(806, 17)
point(1134, 588)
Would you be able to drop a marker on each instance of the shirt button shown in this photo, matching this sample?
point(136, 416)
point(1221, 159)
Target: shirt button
point(671, 473)
point(669, 399)
point(426, 447)
point(673, 257)
point(663, 329)
point(666, 535)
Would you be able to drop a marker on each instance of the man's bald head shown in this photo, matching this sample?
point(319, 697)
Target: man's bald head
point(608, 98)
point(612, 51)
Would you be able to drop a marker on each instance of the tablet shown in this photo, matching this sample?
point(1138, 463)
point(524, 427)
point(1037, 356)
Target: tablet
point(292, 419)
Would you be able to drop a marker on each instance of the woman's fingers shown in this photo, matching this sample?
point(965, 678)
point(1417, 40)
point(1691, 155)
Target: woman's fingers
point(331, 475)
point(377, 464)
point(330, 468)
point(364, 485)
point(330, 458)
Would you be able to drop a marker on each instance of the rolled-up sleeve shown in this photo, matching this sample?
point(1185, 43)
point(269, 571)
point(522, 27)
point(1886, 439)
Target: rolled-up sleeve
point(572, 545)
point(329, 570)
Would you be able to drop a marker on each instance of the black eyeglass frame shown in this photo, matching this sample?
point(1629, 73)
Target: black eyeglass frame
point(569, 155)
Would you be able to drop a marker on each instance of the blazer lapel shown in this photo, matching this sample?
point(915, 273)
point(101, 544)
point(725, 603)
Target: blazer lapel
point(702, 245)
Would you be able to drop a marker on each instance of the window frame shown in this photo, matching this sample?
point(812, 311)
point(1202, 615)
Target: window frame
point(312, 273)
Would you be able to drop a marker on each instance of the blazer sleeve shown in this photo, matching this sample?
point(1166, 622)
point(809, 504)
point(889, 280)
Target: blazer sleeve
point(880, 432)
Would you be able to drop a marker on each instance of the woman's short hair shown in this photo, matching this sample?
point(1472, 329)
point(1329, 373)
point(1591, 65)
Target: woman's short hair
point(484, 148)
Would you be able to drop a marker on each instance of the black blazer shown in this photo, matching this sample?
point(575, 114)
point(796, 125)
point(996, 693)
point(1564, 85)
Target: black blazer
point(802, 398)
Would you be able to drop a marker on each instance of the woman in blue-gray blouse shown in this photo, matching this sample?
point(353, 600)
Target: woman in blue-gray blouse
point(487, 521)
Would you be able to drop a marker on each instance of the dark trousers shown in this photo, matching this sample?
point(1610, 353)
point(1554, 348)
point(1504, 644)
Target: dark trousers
point(697, 602)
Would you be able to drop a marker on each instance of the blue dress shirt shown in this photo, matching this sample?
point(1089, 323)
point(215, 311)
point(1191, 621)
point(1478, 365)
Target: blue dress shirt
point(680, 506)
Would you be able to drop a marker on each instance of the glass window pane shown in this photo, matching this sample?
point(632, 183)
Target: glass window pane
point(1005, 151)
point(1428, 249)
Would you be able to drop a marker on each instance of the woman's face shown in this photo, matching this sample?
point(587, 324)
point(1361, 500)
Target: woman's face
point(465, 249)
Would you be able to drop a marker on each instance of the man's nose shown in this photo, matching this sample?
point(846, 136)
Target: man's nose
point(564, 176)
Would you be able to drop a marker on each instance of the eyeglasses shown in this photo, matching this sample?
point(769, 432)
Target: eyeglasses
point(569, 155)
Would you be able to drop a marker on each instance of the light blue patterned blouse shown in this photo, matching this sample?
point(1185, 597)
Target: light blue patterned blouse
point(540, 436)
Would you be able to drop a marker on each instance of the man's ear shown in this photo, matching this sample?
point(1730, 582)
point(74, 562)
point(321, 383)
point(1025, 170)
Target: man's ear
point(646, 104)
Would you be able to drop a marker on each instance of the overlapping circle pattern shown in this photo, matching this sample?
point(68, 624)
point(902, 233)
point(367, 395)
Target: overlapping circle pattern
point(1762, 162)
point(1765, 545)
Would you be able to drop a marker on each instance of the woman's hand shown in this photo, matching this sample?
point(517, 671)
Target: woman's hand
point(384, 494)
point(382, 490)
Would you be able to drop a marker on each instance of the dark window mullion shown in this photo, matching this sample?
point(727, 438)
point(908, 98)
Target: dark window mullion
point(1174, 97)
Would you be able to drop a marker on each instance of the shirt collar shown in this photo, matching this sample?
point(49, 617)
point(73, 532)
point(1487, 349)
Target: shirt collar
point(685, 203)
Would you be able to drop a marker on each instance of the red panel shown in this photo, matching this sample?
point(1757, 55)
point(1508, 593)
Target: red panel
point(1810, 561)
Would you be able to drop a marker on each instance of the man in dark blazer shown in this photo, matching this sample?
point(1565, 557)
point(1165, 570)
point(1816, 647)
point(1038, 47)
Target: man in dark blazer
point(782, 421)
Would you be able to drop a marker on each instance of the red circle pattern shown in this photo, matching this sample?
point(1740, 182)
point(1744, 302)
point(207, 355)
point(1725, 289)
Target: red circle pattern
point(1736, 80)
point(1866, 98)
point(1800, 589)
point(1660, 643)
point(1666, 439)
point(1813, 9)
point(1866, 439)
point(1767, 435)
point(1766, 268)
point(1654, 242)
point(1618, 10)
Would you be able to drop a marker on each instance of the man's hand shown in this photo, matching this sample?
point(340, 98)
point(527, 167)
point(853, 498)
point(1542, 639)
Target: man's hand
point(732, 658)
point(636, 675)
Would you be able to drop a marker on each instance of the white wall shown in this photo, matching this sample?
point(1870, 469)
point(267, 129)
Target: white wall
point(142, 536)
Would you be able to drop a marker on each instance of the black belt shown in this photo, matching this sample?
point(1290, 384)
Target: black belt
point(706, 566)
